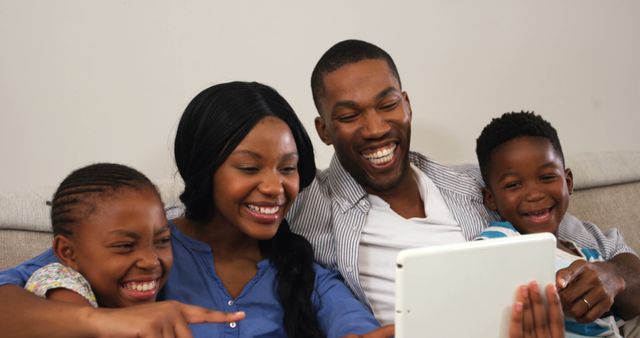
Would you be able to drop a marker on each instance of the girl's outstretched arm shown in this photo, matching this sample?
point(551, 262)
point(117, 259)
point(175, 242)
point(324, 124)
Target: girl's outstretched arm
point(386, 331)
point(27, 315)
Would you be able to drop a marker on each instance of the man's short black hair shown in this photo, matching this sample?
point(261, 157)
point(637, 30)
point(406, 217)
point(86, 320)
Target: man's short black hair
point(344, 53)
point(508, 127)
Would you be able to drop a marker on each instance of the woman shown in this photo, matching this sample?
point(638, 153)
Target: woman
point(244, 155)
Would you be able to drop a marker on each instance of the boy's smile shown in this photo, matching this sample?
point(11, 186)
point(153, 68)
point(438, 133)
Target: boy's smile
point(528, 185)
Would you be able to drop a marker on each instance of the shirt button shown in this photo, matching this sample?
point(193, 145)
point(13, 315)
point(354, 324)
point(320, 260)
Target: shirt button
point(349, 269)
point(230, 302)
point(232, 325)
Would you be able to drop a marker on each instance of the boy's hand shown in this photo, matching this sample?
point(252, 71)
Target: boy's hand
point(587, 290)
point(530, 318)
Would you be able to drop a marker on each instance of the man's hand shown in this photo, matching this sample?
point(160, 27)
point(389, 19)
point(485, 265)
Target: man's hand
point(530, 319)
point(587, 290)
point(386, 331)
point(155, 320)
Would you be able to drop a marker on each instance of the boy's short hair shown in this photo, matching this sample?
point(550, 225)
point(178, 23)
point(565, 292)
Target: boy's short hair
point(508, 127)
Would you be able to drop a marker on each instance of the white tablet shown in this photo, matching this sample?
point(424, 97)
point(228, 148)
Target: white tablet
point(467, 290)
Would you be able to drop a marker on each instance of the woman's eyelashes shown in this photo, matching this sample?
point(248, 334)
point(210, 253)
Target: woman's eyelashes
point(289, 167)
point(285, 169)
point(164, 241)
point(248, 169)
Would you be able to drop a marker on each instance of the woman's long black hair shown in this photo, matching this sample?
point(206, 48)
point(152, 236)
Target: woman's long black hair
point(212, 126)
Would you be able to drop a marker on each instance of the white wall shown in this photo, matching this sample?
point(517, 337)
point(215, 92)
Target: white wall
point(85, 81)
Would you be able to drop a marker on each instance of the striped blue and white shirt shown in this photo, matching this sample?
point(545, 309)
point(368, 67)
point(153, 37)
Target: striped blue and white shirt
point(332, 212)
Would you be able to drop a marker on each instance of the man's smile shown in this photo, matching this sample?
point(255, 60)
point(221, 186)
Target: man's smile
point(380, 156)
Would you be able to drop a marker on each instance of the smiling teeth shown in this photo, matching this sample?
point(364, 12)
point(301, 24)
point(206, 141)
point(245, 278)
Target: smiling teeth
point(264, 210)
point(381, 156)
point(538, 213)
point(141, 287)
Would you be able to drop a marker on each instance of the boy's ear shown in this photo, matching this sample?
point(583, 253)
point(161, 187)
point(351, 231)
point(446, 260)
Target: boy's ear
point(65, 250)
point(568, 176)
point(321, 128)
point(489, 200)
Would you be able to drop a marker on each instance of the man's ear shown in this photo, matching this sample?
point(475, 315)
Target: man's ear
point(568, 177)
point(321, 128)
point(406, 98)
point(65, 250)
point(489, 200)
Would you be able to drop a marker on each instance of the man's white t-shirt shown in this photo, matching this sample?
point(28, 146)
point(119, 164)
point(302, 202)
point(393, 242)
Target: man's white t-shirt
point(386, 233)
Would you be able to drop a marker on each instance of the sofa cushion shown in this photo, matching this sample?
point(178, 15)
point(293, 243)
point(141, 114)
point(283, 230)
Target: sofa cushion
point(28, 209)
point(604, 168)
point(613, 206)
point(19, 245)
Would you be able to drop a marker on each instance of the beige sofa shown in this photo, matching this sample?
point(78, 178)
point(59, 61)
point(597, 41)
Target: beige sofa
point(607, 193)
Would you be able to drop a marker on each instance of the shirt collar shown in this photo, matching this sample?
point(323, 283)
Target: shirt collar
point(344, 188)
point(200, 246)
point(348, 193)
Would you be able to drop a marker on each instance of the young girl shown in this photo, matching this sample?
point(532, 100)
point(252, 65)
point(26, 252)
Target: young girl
point(112, 249)
point(111, 237)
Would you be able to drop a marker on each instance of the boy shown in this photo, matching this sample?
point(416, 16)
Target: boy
point(522, 164)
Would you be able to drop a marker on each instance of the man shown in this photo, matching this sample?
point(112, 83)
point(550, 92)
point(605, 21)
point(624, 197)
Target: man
point(377, 198)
